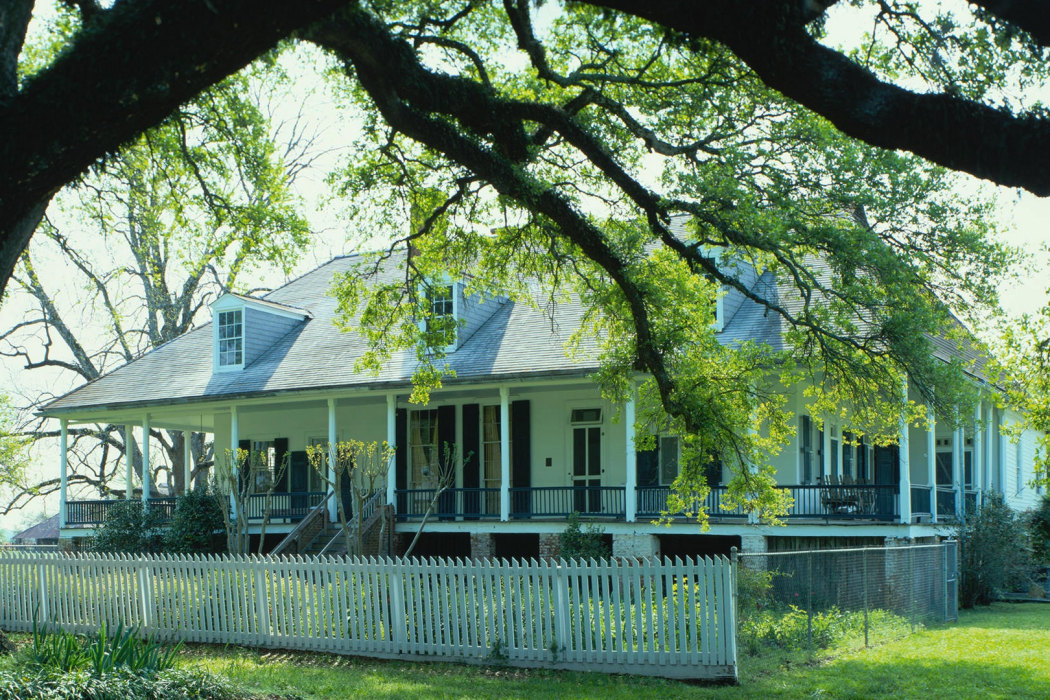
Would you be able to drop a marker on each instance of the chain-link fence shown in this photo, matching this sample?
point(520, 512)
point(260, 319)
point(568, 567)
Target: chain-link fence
point(817, 599)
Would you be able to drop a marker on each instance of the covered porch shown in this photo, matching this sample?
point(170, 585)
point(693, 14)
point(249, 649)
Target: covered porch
point(562, 453)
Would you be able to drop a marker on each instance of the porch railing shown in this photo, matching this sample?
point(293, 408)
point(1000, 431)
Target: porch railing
point(93, 512)
point(945, 501)
point(525, 503)
point(291, 506)
point(844, 501)
point(652, 501)
point(920, 500)
point(563, 501)
point(469, 504)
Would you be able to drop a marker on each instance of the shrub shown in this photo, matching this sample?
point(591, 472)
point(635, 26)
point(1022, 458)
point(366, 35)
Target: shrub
point(129, 527)
point(52, 684)
point(995, 552)
point(197, 525)
point(1039, 529)
point(64, 651)
point(579, 543)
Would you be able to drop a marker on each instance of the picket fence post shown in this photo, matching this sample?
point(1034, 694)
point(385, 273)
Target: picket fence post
point(262, 603)
point(42, 605)
point(146, 594)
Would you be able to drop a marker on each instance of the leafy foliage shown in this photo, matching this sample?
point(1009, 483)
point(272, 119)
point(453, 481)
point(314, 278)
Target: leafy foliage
point(129, 527)
point(1039, 526)
point(53, 684)
point(576, 542)
point(995, 553)
point(646, 176)
point(197, 525)
point(101, 653)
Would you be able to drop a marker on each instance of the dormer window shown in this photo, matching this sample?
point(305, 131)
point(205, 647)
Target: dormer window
point(231, 338)
point(441, 303)
point(244, 329)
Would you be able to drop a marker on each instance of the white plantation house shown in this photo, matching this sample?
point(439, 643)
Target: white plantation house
point(275, 375)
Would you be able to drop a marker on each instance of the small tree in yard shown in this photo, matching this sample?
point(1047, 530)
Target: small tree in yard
point(995, 551)
point(198, 525)
point(442, 481)
point(364, 466)
point(129, 527)
point(239, 475)
point(579, 543)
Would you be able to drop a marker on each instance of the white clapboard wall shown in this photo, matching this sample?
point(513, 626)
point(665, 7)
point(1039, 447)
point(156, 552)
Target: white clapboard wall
point(668, 618)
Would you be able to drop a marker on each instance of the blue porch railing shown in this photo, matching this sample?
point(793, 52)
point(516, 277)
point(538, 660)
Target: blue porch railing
point(525, 503)
point(283, 506)
point(945, 501)
point(652, 502)
point(563, 501)
point(920, 500)
point(470, 504)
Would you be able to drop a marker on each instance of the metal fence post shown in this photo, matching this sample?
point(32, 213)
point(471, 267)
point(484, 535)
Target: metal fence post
point(733, 614)
point(944, 558)
point(809, 602)
point(864, 558)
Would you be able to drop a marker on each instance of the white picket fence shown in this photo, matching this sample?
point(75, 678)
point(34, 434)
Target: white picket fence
point(668, 618)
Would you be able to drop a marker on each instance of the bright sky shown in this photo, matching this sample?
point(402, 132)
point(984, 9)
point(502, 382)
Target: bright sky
point(1025, 219)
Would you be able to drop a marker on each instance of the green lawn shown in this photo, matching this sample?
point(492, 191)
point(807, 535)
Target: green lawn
point(1001, 652)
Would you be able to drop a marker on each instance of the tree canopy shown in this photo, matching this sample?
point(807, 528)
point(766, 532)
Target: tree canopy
point(560, 149)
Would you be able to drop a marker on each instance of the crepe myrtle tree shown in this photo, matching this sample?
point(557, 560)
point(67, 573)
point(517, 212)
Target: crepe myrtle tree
point(542, 166)
point(238, 476)
point(362, 467)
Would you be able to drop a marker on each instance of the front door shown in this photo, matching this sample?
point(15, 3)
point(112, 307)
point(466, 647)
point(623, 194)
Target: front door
point(587, 468)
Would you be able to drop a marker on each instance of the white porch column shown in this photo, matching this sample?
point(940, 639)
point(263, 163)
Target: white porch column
point(904, 456)
point(504, 453)
point(1000, 474)
point(187, 460)
point(630, 481)
point(63, 465)
point(129, 457)
point(958, 443)
point(146, 474)
point(978, 451)
point(825, 450)
point(391, 440)
point(333, 506)
point(931, 461)
point(989, 442)
point(235, 444)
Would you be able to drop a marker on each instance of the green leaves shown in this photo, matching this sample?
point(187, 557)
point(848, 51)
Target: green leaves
point(661, 180)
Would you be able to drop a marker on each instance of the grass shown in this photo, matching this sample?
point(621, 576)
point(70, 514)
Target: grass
point(997, 652)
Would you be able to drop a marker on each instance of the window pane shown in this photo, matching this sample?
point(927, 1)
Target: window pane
point(668, 460)
point(587, 415)
point(579, 451)
point(594, 451)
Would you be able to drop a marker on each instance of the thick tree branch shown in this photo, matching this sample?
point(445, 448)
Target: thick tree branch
point(14, 20)
point(135, 64)
point(771, 37)
point(1033, 16)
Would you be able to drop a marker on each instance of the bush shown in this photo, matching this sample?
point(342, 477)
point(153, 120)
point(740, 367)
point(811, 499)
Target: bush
point(129, 527)
point(52, 684)
point(1039, 529)
point(197, 525)
point(102, 653)
point(995, 553)
point(579, 543)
